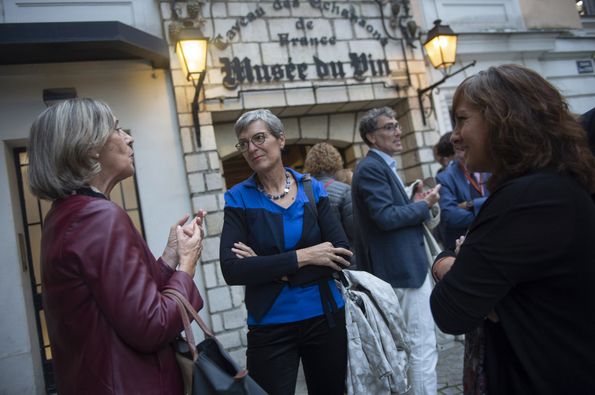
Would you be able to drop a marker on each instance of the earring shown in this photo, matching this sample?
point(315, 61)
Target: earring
point(97, 156)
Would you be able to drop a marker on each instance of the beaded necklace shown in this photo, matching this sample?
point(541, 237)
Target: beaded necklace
point(281, 195)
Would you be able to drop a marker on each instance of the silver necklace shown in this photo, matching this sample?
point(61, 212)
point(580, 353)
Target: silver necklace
point(281, 195)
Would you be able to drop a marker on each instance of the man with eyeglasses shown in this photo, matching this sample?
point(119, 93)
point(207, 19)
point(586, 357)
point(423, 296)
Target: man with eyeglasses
point(389, 238)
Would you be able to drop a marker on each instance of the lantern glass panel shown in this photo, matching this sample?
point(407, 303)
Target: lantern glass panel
point(442, 50)
point(193, 56)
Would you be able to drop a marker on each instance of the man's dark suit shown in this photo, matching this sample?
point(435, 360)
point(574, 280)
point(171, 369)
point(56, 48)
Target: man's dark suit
point(388, 228)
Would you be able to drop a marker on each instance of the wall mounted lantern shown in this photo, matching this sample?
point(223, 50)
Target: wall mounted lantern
point(191, 47)
point(441, 48)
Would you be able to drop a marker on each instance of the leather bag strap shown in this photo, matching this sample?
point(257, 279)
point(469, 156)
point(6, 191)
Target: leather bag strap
point(307, 182)
point(186, 308)
point(187, 329)
point(190, 309)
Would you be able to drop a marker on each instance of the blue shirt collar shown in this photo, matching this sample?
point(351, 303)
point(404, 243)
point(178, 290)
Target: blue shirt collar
point(390, 161)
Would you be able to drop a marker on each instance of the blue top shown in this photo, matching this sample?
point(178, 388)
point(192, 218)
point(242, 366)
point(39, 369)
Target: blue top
point(455, 220)
point(263, 216)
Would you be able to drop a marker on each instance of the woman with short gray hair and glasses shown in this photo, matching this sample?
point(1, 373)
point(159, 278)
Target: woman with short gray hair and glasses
point(285, 252)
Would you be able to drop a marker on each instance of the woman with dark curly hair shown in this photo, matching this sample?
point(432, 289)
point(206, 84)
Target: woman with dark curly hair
point(527, 262)
point(323, 161)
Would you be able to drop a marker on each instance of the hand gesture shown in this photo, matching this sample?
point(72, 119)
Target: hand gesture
point(432, 196)
point(324, 254)
point(170, 253)
point(419, 192)
point(189, 246)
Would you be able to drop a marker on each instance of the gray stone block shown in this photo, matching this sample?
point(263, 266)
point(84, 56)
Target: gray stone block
point(196, 162)
point(196, 182)
point(234, 319)
point(214, 181)
point(237, 295)
point(219, 299)
point(205, 202)
point(210, 250)
point(209, 271)
point(214, 223)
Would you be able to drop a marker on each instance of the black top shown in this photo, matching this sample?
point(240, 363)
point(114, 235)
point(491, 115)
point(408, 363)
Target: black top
point(588, 123)
point(530, 256)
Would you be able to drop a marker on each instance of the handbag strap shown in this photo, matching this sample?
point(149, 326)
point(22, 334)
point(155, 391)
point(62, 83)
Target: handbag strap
point(187, 329)
point(307, 182)
point(190, 309)
point(186, 308)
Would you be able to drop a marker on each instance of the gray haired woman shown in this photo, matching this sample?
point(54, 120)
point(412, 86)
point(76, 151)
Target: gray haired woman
point(285, 254)
point(109, 324)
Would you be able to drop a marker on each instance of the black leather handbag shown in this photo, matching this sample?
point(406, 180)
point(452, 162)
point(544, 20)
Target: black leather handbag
point(206, 367)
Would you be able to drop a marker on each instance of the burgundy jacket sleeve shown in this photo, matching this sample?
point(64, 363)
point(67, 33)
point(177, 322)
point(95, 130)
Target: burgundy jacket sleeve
point(124, 277)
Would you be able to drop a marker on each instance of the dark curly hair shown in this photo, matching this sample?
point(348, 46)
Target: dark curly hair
point(530, 126)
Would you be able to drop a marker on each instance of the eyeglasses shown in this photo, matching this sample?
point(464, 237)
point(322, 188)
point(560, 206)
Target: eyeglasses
point(257, 139)
point(390, 127)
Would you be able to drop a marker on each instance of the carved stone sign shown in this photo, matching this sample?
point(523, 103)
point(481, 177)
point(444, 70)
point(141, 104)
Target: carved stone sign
point(238, 71)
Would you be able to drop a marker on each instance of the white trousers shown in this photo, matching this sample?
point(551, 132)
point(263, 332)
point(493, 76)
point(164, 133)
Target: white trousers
point(415, 303)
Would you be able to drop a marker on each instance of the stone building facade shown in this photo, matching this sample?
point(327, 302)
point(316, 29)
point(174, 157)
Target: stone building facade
point(318, 65)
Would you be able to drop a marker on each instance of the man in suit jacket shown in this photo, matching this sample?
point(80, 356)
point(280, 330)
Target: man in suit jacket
point(389, 238)
point(462, 196)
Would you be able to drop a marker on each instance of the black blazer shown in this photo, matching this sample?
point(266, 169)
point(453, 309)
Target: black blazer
point(530, 257)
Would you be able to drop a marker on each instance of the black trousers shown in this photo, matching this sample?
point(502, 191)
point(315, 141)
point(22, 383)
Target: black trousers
point(274, 353)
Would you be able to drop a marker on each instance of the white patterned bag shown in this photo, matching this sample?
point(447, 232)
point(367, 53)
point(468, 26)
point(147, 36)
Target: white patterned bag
point(377, 342)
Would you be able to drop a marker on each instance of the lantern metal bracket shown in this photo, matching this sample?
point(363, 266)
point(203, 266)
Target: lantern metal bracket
point(197, 88)
point(428, 91)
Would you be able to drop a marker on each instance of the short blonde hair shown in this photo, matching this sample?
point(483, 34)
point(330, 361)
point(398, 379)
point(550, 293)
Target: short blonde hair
point(59, 144)
point(322, 159)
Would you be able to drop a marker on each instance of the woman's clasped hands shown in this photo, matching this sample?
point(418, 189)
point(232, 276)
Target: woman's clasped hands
point(184, 243)
point(323, 254)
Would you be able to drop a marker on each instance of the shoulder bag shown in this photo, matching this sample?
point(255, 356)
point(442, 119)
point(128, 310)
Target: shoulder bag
point(206, 367)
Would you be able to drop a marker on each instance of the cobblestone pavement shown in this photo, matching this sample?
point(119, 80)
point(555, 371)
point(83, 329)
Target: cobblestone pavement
point(449, 369)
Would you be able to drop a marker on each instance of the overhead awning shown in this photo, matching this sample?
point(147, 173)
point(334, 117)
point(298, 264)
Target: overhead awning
point(23, 43)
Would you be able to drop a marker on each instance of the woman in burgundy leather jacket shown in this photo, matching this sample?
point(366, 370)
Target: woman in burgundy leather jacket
point(110, 326)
